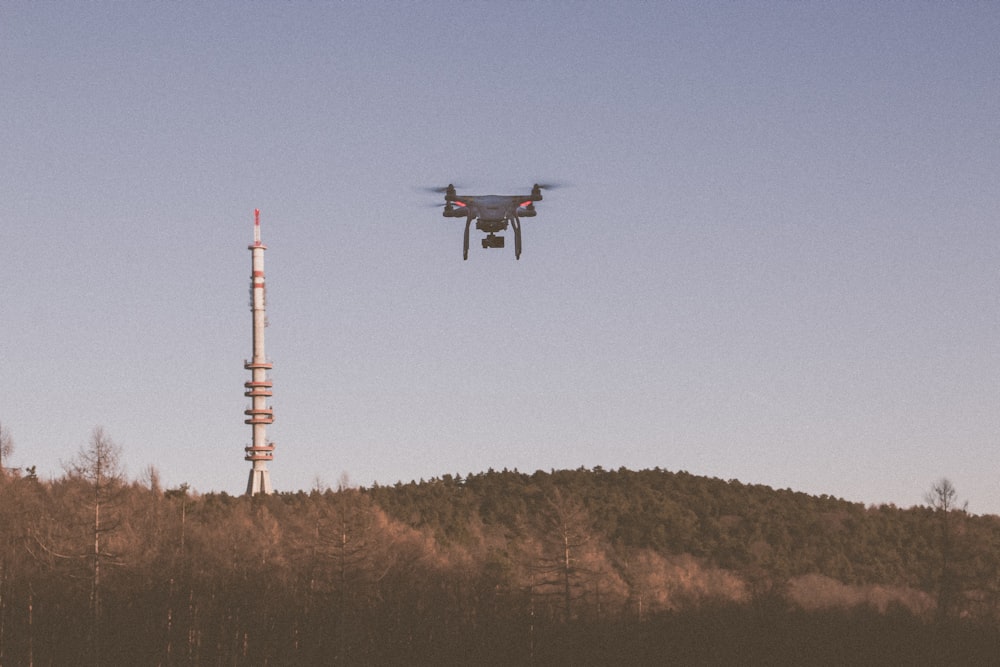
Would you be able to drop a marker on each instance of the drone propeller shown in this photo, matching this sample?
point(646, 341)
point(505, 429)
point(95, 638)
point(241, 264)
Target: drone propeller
point(439, 191)
point(436, 205)
point(456, 204)
point(549, 186)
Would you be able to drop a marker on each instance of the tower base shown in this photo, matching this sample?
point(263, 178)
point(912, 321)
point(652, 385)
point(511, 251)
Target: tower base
point(259, 482)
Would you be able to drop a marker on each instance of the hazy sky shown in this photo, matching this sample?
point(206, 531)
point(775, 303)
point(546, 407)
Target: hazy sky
point(777, 260)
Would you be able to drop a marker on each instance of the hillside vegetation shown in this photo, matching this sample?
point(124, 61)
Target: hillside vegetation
point(574, 567)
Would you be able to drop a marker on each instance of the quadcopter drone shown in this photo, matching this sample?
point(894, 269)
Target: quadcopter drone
point(492, 213)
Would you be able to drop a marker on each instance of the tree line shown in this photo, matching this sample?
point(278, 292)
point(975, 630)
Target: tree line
point(586, 566)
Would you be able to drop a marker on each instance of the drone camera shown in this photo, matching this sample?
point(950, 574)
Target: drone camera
point(493, 241)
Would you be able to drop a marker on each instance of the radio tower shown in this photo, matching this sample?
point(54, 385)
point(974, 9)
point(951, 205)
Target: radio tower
point(260, 414)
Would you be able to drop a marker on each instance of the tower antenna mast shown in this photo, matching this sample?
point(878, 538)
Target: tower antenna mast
point(258, 389)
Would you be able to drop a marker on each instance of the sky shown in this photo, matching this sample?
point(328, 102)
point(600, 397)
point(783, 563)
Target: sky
point(774, 257)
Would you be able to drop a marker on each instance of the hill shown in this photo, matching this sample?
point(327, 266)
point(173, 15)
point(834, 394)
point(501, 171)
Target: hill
point(763, 540)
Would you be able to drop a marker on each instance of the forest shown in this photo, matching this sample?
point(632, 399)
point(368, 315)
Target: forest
point(586, 566)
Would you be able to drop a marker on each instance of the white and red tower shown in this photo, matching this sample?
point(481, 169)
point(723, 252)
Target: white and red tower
point(258, 389)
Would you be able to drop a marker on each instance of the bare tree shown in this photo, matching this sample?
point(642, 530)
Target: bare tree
point(6, 447)
point(942, 498)
point(565, 530)
point(99, 465)
point(151, 476)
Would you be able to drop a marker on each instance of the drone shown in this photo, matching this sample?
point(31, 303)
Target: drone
point(492, 213)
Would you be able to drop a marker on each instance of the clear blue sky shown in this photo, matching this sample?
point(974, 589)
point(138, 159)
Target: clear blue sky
point(778, 260)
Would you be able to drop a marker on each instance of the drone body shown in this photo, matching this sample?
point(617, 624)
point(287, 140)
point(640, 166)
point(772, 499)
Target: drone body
point(492, 213)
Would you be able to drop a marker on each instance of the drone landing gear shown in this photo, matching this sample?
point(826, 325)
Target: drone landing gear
point(465, 249)
point(516, 224)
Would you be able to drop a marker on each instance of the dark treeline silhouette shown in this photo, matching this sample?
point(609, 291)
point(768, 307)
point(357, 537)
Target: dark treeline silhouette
point(562, 567)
